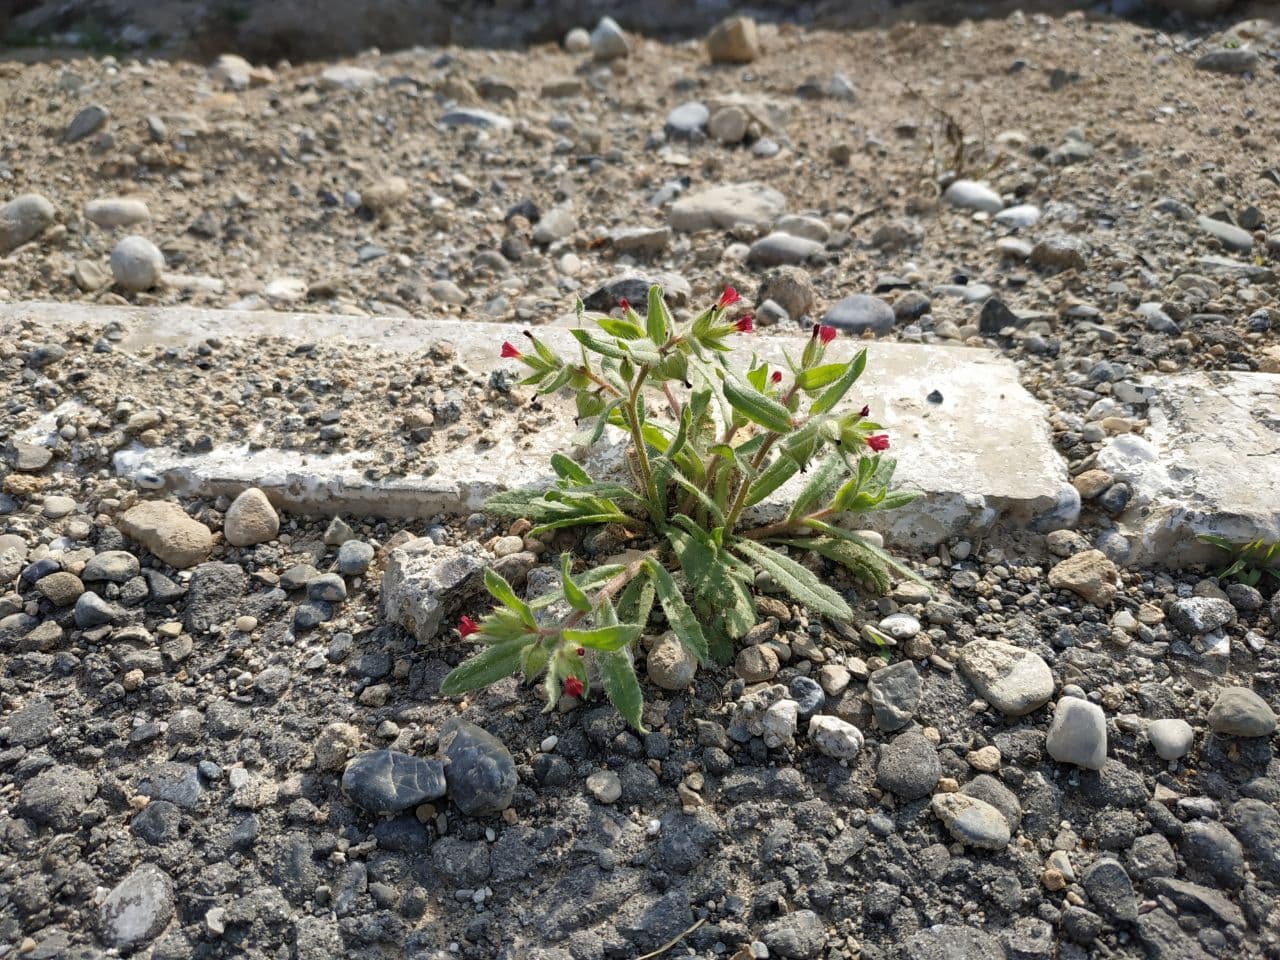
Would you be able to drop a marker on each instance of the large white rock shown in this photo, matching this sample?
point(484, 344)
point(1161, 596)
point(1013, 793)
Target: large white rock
point(972, 195)
point(425, 583)
point(977, 463)
point(1206, 464)
point(1078, 734)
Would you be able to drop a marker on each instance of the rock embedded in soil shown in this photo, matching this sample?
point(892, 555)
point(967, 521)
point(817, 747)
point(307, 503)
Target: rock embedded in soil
point(895, 695)
point(1014, 681)
point(909, 767)
point(669, 664)
point(136, 264)
point(164, 528)
point(250, 520)
point(1229, 60)
point(972, 195)
point(1089, 574)
point(1078, 734)
point(1171, 739)
point(859, 313)
point(734, 40)
point(116, 212)
point(87, 121)
point(23, 219)
point(835, 737)
point(605, 786)
point(727, 206)
point(797, 936)
point(1239, 712)
point(137, 909)
point(756, 663)
point(776, 249)
point(1111, 890)
point(112, 566)
point(609, 41)
point(385, 781)
point(479, 770)
point(972, 821)
point(55, 797)
point(1201, 615)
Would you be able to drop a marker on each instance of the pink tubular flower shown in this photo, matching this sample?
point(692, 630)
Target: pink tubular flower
point(467, 626)
point(826, 334)
point(573, 687)
point(745, 324)
point(775, 377)
point(728, 298)
point(879, 442)
point(624, 304)
point(509, 351)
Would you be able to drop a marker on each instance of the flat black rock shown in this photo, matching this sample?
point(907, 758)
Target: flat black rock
point(480, 772)
point(384, 781)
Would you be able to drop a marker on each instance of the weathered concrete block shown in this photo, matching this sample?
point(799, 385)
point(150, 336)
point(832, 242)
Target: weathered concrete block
point(1208, 463)
point(964, 430)
point(425, 583)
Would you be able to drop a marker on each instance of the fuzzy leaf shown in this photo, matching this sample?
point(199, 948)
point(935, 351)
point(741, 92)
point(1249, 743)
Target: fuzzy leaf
point(501, 591)
point(887, 559)
point(821, 482)
point(861, 562)
point(636, 602)
point(618, 675)
point(684, 623)
point(572, 592)
point(596, 345)
point(488, 666)
point(756, 407)
point(770, 479)
point(657, 319)
point(797, 580)
point(827, 401)
point(567, 469)
point(623, 329)
point(604, 638)
point(817, 377)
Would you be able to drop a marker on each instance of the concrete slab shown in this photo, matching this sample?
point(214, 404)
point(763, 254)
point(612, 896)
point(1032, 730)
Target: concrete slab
point(1208, 463)
point(981, 450)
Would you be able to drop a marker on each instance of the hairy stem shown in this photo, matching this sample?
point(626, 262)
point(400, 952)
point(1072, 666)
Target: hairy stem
point(785, 527)
point(637, 437)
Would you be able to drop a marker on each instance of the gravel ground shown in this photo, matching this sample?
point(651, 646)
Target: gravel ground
point(220, 730)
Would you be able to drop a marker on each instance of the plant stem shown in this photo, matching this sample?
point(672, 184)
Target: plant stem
point(785, 526)
point(612, 588)
point(637, 437)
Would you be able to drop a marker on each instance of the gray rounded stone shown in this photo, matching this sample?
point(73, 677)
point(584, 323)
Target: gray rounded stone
point(972, 821)
point(777, 249)
point(1171, 739)
point(57, 796)
point(1239, 712)
point(909, 766)
point(1014, 681)
point(112, 566)
point(480, 772)
point(895, 695)
point(687, 119)
point(1078, 734)
point(859, 313)
point(22, 219)
point(136, 264)
point(1201, 615)
point(354, 557)
point(137, 909)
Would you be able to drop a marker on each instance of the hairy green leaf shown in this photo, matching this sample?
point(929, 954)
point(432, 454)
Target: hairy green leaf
point(822, 481)
point(604, 638)
point(756, 407)
point(684, 623)
point(828, 399)
point(860, 561)
point(623, 329)
point(567, 469)
point(572, 592)
point(596, 345)
point(797, 580)
point(657, 319)
point(501, 591)
point(618, 675)
point(636, 602)
point(488, 666)
point(896, 566)
point(817, 377)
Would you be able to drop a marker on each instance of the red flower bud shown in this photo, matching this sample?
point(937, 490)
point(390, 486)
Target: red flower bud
point(826, 334)
point(728, 298)
point(467, 626)
point(573, 687)
point(744, 324)
point(509, 351)
point(775, 377)
point(624, 304)
point(878, 442)
point(582, 651)
point(864, 412)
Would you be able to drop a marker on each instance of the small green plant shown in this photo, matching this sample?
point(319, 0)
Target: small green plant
point(723, 442)
point(1248, 561)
